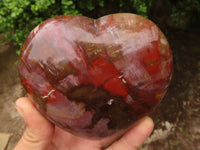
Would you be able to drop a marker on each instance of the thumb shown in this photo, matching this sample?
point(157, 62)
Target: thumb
point(39, 131)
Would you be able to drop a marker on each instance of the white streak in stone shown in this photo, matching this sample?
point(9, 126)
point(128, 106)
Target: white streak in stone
point(124, 81)
point(48, 94)
point(110, 101)
point(163, 41)
point(120, 77)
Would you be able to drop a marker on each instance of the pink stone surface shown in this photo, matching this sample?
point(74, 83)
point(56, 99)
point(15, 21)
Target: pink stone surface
point(96, 77)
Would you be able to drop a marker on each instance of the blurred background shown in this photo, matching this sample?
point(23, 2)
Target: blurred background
point(177, 119)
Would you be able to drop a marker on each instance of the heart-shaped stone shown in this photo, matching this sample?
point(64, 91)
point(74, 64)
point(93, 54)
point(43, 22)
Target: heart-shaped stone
point(96, 77)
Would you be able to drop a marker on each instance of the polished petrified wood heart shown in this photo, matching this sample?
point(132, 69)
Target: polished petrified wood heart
point(96, 77)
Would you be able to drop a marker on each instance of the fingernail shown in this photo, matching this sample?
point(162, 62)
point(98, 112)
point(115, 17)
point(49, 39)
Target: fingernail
point(20, 111)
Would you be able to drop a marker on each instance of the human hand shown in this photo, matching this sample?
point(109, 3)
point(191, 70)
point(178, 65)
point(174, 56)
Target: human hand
point(40, 134)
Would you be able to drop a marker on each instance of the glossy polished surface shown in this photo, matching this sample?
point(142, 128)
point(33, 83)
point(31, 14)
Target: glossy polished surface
point(96, 77)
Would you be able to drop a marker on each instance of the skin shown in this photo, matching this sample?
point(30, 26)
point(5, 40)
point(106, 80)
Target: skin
point(40, 134)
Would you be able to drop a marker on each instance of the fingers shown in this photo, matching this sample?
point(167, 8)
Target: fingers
point(135, 137)
point(39, 131)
